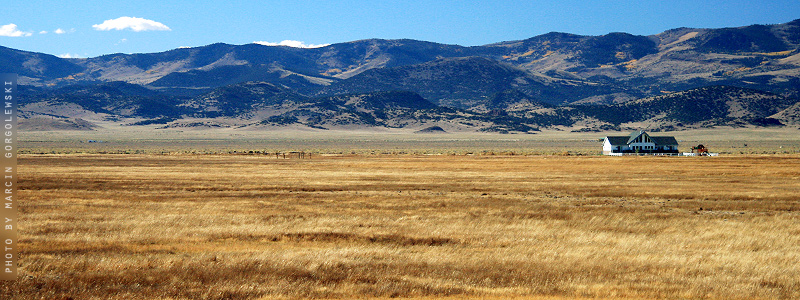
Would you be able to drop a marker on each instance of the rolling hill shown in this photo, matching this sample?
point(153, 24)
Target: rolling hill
point(707, 106)
point(678, 78)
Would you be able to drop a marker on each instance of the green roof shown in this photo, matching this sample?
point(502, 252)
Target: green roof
point(664, 140)
point(617, 140)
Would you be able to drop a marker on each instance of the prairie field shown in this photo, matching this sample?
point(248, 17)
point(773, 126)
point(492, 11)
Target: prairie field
point(127, 140)
point(232, 226)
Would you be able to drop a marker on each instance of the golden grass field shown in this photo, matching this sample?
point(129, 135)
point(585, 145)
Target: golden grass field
point(150, 226)
point(129, 140)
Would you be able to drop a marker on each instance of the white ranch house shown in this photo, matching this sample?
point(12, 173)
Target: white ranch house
point(640, 143)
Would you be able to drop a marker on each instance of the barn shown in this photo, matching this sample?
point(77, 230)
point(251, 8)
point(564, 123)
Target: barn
point(640, 143)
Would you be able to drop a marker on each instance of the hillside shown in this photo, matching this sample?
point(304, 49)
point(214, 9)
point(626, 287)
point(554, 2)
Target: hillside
point(708, 106)
point(113, 99)
point(36, 68)
point(791, 115)
point(756, 56)
point(457, 82)
point(48, 124)
point(679, 78)
point(237, 99)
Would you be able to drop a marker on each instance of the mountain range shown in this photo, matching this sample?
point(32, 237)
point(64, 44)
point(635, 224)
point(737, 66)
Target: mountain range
point(681, 78)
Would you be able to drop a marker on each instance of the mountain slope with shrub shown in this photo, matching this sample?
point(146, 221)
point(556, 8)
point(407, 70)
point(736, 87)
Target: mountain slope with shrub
point(680, 78)
point(708, 106)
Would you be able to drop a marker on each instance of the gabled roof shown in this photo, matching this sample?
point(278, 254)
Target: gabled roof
point(617, 140)
point(627, 140)
point(635, 135)
point(664, 140)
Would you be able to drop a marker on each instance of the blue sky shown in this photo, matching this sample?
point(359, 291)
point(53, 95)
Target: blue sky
point(93, 28)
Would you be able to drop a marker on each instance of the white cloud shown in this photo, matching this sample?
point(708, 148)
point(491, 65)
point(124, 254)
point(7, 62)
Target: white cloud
point(11, 30)
point(132, 23)
point(58, 31)
point(291, 43)
point(70, 55)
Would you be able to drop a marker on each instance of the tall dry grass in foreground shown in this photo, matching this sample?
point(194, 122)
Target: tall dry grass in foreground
point(253, 227)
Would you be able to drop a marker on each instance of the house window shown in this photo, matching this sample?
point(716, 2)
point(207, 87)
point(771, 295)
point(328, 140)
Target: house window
point(643, 139)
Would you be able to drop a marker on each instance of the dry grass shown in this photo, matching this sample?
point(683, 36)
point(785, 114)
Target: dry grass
point(133, 140)
point(537, 227)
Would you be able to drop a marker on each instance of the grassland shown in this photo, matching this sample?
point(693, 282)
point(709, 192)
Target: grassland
point(128, 140)
point(183, 226)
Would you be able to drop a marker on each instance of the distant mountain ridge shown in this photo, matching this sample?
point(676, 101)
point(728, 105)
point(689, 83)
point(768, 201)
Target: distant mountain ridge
point(680, 78)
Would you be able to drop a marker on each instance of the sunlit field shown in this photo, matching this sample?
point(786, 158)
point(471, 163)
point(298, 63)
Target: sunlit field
point(364, 225)
point(128, 140)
